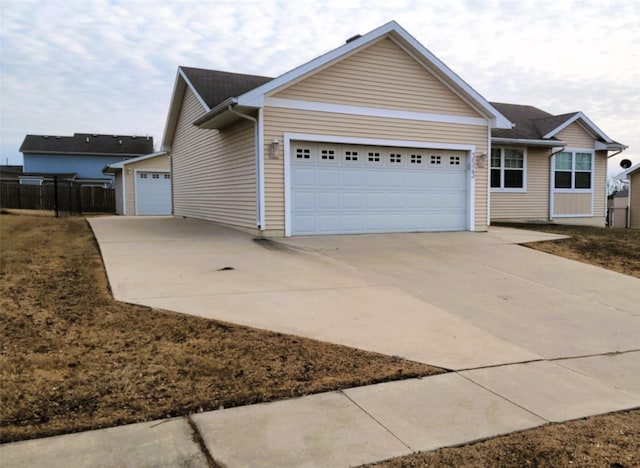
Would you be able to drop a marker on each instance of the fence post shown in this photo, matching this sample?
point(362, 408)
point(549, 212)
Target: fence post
point(55, 195)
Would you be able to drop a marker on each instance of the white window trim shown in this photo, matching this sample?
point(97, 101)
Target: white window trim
point(554, 190)
point(573, 151)
point(502, 188)
point(289, 137)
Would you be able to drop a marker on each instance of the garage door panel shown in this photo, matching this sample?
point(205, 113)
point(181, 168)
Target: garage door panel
point(329, 200)
point(304, 201)
point(153, 193)
point(382, 190)
point(352, 200)
point(304, 176)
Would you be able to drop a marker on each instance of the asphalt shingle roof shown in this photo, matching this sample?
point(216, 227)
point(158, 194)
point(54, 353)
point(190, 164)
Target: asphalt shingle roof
point(88, 143)
point(217, 86)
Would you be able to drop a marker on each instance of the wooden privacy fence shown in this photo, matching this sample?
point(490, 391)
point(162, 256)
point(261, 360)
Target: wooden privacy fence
point(58, 195)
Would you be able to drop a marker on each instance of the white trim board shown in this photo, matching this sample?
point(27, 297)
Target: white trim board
point(289, 137)
point(372, 111)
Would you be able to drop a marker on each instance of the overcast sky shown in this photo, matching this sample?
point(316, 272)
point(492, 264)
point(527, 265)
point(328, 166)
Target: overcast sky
point(108, 66)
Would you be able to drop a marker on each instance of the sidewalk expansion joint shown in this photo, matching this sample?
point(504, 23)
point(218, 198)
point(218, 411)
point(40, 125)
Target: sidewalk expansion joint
point(607, 354)
point(504, 398)
point(377, 421)
point(197, 438)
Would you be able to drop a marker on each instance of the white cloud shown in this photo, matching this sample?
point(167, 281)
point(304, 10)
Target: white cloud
point(109, 65)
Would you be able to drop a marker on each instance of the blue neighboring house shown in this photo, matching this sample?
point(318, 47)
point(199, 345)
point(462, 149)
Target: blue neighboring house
point(80, 157)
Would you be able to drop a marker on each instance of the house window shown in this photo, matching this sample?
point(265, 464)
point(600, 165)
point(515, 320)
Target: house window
point(573, 170)
point(507, 169)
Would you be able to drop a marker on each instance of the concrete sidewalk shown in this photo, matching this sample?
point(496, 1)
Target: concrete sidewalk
point(358, 425)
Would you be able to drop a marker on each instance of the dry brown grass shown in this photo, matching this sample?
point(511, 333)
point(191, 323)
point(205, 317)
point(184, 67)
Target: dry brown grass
point(74, 359)
point(610, 441)
point(614, 249)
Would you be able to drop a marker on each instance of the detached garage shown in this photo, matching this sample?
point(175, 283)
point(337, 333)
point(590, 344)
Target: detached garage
point(375, 136)
point(143, 185)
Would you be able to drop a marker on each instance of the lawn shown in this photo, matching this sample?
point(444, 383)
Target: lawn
point(73, 359)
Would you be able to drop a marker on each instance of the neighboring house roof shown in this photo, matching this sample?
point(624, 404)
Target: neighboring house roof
point(537, 127)
point(87, 144)
point(118, 166)
point(246, 93)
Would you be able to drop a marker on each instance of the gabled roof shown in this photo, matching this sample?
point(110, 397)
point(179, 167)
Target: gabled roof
point(237, 93)
point(87, 144)
point(537, 127)
point(118, 166)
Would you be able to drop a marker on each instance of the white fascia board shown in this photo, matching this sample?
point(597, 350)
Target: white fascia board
point(255, 97)
point(585, 120)
point(372, 111)
point(524, 141)
point(174, 110)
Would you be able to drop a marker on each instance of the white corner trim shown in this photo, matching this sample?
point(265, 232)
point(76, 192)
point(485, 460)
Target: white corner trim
point(289, 137)
point(316, 106)
point(261, 179)
point(124, 192)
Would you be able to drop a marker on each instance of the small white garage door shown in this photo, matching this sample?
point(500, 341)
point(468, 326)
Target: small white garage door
point(153, 193)
point(339, 189)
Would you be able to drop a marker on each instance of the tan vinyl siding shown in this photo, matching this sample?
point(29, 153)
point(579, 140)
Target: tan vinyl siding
point(381, 76)
point(600, 185)
point(572, 204)
point(575, 136)
point(634, 201)
point(532, 204)
point(159, 163)
point(279, 121)
point(214, 173)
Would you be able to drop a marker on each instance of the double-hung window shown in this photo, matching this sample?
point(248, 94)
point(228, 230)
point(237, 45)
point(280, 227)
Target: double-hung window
point(573, 170)
point(508, 169)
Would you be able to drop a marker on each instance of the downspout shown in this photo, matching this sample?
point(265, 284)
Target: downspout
point(551, 178)
point(258, 165)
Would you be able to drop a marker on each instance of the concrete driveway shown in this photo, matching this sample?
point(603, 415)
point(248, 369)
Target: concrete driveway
point(456, 300)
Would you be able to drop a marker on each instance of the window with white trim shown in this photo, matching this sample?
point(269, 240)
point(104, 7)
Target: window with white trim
point(573, 170)
point(507, 169)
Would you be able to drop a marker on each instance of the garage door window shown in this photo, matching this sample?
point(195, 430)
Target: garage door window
point(416, 159)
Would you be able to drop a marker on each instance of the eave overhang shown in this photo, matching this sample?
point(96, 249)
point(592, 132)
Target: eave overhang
point(527, 142)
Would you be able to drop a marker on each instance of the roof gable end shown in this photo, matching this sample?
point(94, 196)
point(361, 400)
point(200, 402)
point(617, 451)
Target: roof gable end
point(393, 30)
point(567, 119)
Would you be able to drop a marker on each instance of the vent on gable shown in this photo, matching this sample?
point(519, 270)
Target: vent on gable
point(353, 38)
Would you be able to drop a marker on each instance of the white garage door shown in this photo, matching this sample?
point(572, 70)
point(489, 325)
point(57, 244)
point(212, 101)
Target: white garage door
point(338, 189)
point(153, 193)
